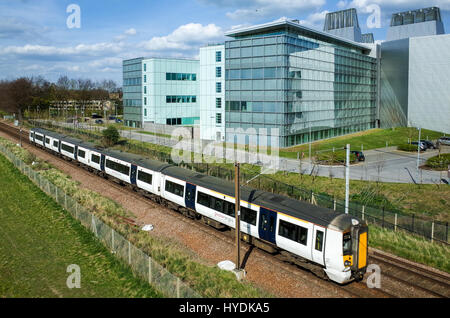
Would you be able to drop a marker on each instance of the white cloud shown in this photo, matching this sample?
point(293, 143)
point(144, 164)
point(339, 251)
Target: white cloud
point(81, 49)
point(131, 31)
point(262, 8)
point(315, 20)
point(185, 37)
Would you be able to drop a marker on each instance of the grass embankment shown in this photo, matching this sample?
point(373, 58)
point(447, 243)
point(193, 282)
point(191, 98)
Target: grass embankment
point(410, 247)
point(39, 240)
point(370, 139)
point(208, 281)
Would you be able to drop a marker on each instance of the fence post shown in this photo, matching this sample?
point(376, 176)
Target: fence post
point(412, 223)
point(395, 223)
point(149, 270)
point(65, 200)
point(334, 206)
point(432, 231)
point(112, 239)
point(363, 210)
point(383, 219)
point(446, 232)
point(129, 252)
point(178, 287)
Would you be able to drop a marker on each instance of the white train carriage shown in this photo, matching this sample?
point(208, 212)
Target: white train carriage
point(89, 157)
point(39, 138)
point(173, 189)
point(69, 148)
point(118, 169)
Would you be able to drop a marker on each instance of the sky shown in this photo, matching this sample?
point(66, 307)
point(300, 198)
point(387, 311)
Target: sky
point(91, 38)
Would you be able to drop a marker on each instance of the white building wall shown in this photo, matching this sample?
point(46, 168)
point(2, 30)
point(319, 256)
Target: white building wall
point(156, 88)
point(209, 128)
point(429, 83)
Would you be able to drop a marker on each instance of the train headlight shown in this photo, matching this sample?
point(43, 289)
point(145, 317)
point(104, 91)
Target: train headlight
point(347, 263)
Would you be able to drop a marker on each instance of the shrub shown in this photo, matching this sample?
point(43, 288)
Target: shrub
point(439, 163)
point(407, 147)
point(110, 136)
point(337, 157)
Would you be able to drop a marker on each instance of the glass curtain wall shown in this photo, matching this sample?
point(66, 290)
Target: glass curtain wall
point(308, 88)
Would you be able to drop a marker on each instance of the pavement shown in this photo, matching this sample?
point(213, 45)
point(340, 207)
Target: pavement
point(383, 165)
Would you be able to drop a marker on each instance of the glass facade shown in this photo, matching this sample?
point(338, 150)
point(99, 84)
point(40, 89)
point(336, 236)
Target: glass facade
point(132, 92)
point(305, 86)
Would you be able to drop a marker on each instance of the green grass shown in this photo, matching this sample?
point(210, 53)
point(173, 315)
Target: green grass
point(370, 139)
point(439, 163)
point(410, 247)
point(38, 240)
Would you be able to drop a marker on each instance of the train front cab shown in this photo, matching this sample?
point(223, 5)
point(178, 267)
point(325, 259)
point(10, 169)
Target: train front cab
point(360, 249)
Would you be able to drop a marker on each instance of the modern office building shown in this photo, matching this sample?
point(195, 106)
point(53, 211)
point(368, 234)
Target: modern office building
point(308, 84)
point(415, 72)
point(160, 91)
point(212, 92)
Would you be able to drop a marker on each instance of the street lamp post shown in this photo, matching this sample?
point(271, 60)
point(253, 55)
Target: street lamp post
point(347, 178)
point(418, 154)
point(237, 215)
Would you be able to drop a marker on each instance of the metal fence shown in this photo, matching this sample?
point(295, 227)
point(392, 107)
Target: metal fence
point(141, 264)
point(429, 229)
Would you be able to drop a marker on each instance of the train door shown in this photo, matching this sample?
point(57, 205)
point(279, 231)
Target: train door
point(102, 162)
point(267, 225)
point(133, 174)
point(318, 245)
point(75, 155)
point(190, 196)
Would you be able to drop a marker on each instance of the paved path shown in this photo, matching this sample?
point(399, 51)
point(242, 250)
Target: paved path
point(384, 165)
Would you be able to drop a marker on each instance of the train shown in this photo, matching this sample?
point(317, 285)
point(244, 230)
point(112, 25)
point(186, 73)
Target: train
point(332, 245)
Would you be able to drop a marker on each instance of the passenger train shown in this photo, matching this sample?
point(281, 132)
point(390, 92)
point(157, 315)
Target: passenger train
point(332, 245)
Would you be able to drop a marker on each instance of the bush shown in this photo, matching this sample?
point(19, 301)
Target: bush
point(439, 163)
point(337, 157)
point(407, 147)
point(110, 136)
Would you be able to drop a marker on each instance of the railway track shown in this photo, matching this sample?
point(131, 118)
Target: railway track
point(353, 289)
point(427, 281)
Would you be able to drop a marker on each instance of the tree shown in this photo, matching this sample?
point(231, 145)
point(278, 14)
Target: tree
point(110, 136)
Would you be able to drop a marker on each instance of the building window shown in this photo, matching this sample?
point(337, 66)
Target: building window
point(181, 99)
point(145, 67)
point(218, 87)
point(145, 89)
point(218, 102)
point(218, 118)
point(145, 78)
point(145, 112)
point(218, 71)
point(218, 56)
point(145, 102)
point(181, 77)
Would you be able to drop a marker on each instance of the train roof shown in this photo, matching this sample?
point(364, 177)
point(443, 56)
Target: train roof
point(136, 159)
point(294, 208)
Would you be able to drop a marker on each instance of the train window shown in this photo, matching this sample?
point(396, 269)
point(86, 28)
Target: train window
point(81, 153)
point(293, 232)
point(40, 138)
point(319, 241)
point(56, 143)
point(203, 199)
point(175, 188)
point(216, 204)
point(47, 140)
point(95, 158)
point(118, 167)
point(67, 148)
point(145, 177)
point(248, 216)
point(347, 244)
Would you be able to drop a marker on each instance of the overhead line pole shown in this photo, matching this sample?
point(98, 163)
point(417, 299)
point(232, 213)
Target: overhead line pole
point(237, 215)
point(347, 178)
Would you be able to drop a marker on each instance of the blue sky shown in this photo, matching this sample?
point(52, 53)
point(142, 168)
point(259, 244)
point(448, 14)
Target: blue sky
point(35, 39)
